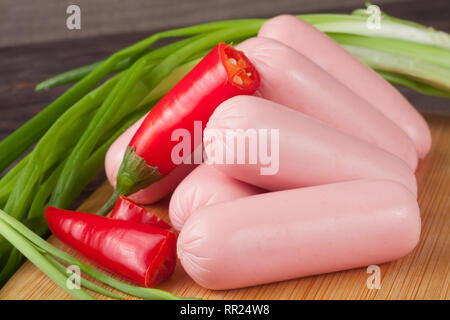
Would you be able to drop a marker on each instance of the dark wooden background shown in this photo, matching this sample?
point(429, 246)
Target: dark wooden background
point(35, 43)
point(28, 21)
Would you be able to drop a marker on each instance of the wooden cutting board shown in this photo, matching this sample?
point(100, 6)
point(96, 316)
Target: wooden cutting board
point(423, 274)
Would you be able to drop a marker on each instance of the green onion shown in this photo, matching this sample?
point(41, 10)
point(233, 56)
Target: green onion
point(421, 70)
point(61, 137)
point(406, 82)
point(77, 74)
point(389, 28)
point(415, 51)
point(85, 283)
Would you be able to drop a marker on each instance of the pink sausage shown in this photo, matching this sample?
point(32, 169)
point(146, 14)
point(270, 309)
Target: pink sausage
point(291, 79)
point(156, 191)
point(205, 186)
point(325, 52)
point(310, 152)
point(295, 233)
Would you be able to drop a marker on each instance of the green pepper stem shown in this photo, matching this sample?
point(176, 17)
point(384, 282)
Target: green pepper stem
point(134, 174)
point(110, 203)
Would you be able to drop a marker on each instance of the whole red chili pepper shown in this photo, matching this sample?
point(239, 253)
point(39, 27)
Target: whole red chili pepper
point(126, 209)
point(223, 73)
point(142, 253)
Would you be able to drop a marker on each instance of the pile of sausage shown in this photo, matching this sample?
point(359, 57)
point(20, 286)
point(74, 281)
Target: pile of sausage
point(344, 195)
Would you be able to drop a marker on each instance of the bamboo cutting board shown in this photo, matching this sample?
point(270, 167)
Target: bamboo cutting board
point(423, 274)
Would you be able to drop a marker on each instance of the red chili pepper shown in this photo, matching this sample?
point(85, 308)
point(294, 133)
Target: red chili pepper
point(142, 253)
point(223, 73)
point(126, 209)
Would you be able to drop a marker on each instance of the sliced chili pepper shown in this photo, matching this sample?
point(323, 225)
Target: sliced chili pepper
point(223, 73)
point(126, 209)
point(142, 253)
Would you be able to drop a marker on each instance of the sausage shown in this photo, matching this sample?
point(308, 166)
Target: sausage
point(204, 186)
point(365, 82)
point(291, 79)
point(157, 190)
point(306, 152)
point(300, 232)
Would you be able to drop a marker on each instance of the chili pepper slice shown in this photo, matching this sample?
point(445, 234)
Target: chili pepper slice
point(126, 209)
point(142, 253)
point(223, 73)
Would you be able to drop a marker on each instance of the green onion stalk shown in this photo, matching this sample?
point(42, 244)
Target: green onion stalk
point(73, 133)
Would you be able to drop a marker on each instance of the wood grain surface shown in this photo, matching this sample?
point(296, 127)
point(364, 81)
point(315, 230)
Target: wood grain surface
point(423, 274)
